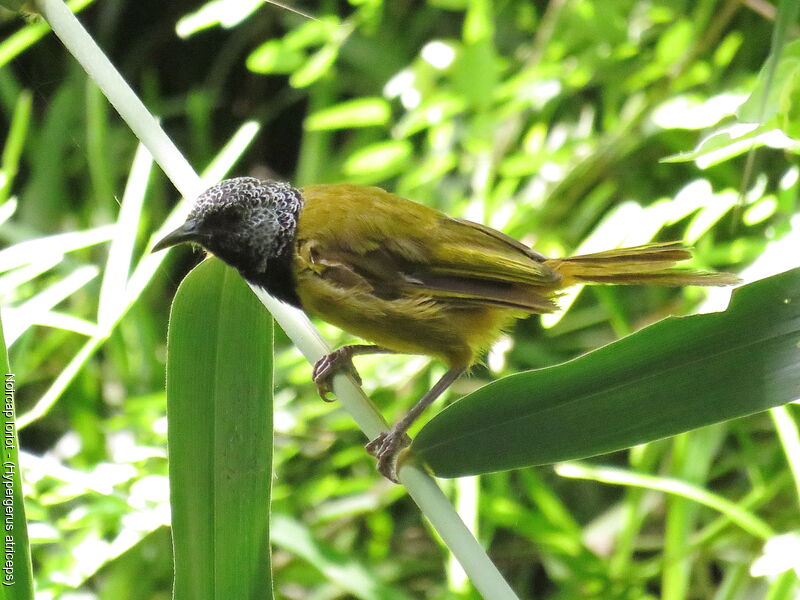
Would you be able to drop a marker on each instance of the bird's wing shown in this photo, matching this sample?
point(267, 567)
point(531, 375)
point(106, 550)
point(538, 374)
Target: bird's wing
point(368, 239)
point(469, 249)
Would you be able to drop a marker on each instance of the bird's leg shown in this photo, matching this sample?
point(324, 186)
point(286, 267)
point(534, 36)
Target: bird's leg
point(387, 445)
point(340, 359)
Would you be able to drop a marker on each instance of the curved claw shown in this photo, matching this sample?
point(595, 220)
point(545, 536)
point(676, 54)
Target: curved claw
point(386, 448)
point(327, 366)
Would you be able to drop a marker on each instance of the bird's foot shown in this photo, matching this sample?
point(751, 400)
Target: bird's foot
point(386, 448)
point(326, 367)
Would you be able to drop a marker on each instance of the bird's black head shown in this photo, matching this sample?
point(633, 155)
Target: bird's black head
point(251, 225)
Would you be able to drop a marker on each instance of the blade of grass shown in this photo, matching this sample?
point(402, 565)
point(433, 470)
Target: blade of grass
point(467, 494)
point(52, 247)
point(120, 252)
point(32, 311)
point(642, 459)
point(102, 183)
point(733, 581)
point(755, 498)
point(691, 458)
point(7, 210)
point(18, 579)
point(17, 132)
point(13, 279)
point(59, 320)
point(743, 518)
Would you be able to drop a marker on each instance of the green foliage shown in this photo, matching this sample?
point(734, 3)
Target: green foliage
point(548, 120)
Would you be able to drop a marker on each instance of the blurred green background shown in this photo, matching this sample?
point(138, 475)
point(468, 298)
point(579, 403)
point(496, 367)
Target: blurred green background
point(546, 119)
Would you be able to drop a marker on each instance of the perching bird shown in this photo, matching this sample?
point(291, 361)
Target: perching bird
point(402, 275)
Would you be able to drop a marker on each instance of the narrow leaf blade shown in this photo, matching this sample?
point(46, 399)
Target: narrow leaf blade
point(17, 571)
point(676, 375)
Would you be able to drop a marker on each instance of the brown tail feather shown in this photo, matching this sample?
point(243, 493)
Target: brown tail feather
point(650, 264)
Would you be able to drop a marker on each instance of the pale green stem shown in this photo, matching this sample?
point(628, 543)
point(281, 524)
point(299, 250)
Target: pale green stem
point(433, 503)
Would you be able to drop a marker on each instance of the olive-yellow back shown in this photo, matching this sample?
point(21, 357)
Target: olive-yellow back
point(413, 280)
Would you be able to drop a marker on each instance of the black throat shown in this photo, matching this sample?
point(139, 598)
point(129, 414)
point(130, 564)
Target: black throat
point(278, 278)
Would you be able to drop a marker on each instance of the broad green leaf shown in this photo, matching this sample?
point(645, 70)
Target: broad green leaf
point(219, 409)
point(671, 377)
point(362, 112)
point(16, 577)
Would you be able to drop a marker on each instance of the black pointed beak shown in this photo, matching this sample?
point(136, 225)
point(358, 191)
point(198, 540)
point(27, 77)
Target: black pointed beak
point(187, 232)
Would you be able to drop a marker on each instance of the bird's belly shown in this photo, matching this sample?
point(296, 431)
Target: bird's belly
point(453, 332)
